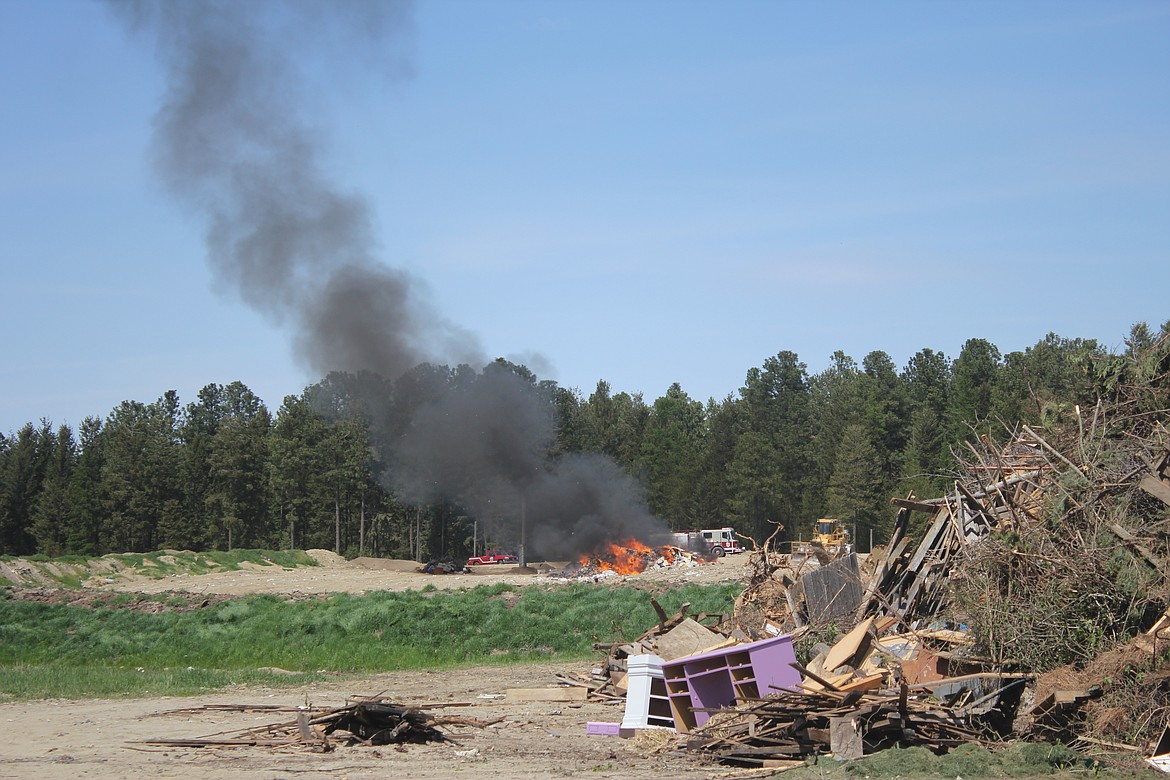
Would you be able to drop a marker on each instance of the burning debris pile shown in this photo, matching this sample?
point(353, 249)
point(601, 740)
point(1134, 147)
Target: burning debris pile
point(630, 556)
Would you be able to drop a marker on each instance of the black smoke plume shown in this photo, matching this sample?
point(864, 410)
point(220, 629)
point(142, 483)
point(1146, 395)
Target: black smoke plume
point(488, 445)
point(236, 142)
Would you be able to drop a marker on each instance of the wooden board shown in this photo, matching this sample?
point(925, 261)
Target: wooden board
point(687, 638)
point(848, 646)
point(1156, 487)
point(547, 694)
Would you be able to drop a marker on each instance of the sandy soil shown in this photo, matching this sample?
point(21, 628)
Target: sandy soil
point(63, 740)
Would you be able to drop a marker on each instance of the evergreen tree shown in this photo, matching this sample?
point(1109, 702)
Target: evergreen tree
point(201, 422)
point(165, 477)
point(142, 477)
point(128, 515)
point(1045, 382)
point(924, 461)
point(771, 467)
point(84, 531)
point(713, 490)
point(25, 460)
point(857, 492)
point(237, 495)
point(52, 512)
point(974, 373)
point(672, 452)
point(347, 453)
point(297, 463)
point(885, 405)
point(835, 402)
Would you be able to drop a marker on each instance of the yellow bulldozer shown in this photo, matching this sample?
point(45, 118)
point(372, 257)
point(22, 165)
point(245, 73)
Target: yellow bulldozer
point(830, 541)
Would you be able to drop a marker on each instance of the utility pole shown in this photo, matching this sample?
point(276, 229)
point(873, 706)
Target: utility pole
point(523, 528)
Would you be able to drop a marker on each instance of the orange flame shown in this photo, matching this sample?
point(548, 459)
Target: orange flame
point(628, 557)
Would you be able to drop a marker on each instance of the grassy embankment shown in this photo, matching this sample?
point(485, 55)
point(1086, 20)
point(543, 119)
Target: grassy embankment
point(66, 651)
point(72, 571)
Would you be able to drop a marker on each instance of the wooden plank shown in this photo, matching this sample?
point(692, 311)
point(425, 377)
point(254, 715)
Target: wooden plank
point(546, 694)
point(820, 680)
point(930, 540)
point(687, 638)
point(848, 646)
point(1132, 542)
point(1156, 488)
point(917, 506)
point(832, 591)
point(306, 733)
point(845, 739)
point(868, 683)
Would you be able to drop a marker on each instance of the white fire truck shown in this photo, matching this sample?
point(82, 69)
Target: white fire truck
point(717, 541)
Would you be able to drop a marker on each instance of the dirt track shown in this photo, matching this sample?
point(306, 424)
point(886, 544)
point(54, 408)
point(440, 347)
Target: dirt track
point(64, 740)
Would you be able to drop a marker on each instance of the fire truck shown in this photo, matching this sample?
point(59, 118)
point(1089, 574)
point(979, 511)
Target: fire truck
point(716, 541)
point(492, 557)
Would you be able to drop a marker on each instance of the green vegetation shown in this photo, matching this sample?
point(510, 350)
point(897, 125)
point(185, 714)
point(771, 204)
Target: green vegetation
point(55, 681)
point(52, 650)
point(1015, 759)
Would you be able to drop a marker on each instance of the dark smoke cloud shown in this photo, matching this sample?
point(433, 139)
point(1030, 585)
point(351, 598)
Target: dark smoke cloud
point(486, 444)
point(585, 501)
point(236, 143)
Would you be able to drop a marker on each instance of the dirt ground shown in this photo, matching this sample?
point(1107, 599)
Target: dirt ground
point(63, 740)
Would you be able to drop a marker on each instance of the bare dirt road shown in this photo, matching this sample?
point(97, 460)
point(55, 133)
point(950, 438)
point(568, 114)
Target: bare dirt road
point(64, 740)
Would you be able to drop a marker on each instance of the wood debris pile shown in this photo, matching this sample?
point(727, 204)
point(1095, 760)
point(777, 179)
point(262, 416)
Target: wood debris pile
point(379, 723)
point(848, 725)
point(1035, 591)
point(367, 721)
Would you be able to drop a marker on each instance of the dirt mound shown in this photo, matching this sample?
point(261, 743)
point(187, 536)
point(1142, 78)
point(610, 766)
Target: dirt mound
point(384, 564)
point(21, 572)
point(327, 558)
point(521, 570)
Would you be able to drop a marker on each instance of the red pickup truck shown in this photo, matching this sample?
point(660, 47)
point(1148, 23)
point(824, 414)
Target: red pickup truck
point(492, 556)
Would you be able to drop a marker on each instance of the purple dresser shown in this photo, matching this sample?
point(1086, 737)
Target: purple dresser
point(721, 677)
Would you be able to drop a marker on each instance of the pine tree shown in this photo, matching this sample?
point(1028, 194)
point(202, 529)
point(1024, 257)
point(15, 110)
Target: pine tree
point(856, 493)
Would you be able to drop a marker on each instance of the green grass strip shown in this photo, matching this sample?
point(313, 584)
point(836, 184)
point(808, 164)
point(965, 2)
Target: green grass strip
point(70, 682)
point(342, 633)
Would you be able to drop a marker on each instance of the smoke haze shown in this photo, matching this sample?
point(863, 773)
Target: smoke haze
point(235, 144)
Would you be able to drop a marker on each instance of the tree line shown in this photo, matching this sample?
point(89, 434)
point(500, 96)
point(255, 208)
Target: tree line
point(222, 471)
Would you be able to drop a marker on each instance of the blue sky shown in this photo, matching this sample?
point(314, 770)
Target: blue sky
point(642, 192)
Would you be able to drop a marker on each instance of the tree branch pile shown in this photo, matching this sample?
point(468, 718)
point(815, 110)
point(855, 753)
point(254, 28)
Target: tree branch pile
point(1069, 576)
